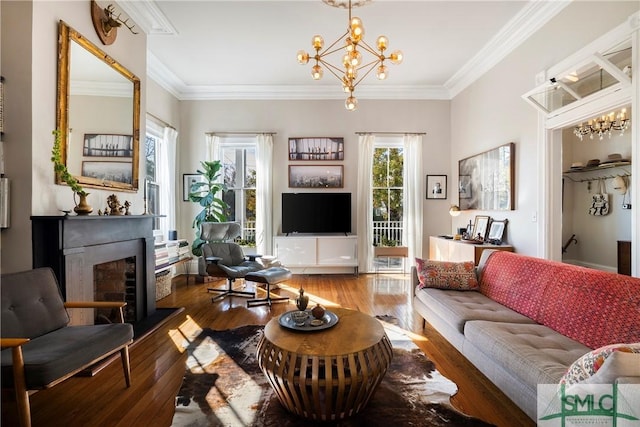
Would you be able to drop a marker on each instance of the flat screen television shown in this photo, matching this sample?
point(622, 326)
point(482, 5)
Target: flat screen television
point(316, 213)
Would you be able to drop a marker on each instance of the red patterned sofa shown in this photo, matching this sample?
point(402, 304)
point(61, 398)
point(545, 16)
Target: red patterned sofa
point(530, 319)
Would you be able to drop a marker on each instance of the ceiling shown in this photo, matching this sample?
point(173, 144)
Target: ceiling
point(215, 49)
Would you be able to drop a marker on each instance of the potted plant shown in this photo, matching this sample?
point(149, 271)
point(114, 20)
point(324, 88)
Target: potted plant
point(82, 207)
point(204, 193)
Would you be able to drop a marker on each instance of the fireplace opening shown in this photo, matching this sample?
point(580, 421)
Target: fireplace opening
point(115, 281)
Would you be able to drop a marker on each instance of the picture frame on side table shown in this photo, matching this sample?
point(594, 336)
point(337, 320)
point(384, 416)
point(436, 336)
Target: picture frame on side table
point(480, 227)
point(316, 176)
point(496, 231)
point(187, 180)
point(436, 187)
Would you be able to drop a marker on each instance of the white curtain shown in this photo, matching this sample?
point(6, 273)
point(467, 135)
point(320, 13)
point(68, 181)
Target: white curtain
point(213, 147)
point(167, 178)
point(364, 210)
point(413, 193)
point(264, 228)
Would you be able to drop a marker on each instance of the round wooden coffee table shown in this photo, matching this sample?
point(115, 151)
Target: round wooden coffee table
point(329, 374)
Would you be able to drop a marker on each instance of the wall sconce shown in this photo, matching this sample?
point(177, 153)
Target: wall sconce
point(106, 22)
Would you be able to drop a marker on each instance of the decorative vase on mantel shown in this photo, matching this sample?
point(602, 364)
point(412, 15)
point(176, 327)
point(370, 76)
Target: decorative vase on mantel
point(82, 207)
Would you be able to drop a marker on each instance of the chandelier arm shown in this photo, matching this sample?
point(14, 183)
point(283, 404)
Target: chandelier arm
point(370, 49)
point(325, 52)
point(331, 67)
point(373, 65)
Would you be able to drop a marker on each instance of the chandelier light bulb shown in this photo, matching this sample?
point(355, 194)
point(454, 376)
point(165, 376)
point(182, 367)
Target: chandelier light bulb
point(351, 73)
point(303, 57)
point(317, 72)
point(382, 43)
point(351, 103)
point(396, 57)
point(355, 58)
point(317, 42)
point(382, 72)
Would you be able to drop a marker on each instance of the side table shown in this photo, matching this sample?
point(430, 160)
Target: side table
point(329, 374)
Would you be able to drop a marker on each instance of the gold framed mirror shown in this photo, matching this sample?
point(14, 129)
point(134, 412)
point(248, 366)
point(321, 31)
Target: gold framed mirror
point(98, 115)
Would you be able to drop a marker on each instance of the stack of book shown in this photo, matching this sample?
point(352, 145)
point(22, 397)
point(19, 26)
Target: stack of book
point(170, 252)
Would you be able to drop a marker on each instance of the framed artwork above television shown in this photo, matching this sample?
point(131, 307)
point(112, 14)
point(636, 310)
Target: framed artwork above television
point(316, 148)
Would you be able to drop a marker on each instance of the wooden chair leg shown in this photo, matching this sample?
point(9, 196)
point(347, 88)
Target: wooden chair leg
point(124, 355)
point(20, 385)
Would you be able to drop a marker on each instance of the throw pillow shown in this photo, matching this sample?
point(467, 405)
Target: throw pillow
point(459, 276)
point(604, 365)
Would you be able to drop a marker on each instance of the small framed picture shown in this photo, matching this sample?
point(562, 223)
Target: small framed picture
point(188, 179)
point(436, 186)
point(496, 232)
point(316, 176)
point(480, 227)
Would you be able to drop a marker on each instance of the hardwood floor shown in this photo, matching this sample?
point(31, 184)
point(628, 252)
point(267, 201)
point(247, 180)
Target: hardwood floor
point(158, 361)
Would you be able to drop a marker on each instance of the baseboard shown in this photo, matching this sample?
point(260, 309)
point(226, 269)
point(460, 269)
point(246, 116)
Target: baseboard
point(591, 265)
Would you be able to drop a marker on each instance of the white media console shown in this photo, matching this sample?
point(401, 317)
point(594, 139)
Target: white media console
point(312, 254)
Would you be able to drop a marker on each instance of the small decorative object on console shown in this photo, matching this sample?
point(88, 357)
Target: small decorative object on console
point(302, 301)
point(318, 311)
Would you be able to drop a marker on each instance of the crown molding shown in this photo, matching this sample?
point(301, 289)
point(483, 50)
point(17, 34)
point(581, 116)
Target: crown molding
point(530, 19)
point(522, 26)
point(148, 16)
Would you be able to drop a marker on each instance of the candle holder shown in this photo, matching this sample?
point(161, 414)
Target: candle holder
point(146, 212)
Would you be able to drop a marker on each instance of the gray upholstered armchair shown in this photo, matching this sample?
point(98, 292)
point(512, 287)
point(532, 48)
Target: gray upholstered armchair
point(39, 348)
point(224, 258)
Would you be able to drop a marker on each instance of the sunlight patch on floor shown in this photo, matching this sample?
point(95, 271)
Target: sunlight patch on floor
point(185, 334)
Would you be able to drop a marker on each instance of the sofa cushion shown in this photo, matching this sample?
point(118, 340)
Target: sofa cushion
point(593, 307)
point(457, 307)
point(460, 276)
point(56, 354)
point(534, 353)
point(604, 365)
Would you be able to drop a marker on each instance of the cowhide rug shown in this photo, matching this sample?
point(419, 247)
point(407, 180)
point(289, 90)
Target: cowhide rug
point(223, 386)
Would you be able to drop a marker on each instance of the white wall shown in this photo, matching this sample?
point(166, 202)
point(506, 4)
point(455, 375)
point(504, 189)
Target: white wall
point(319, 118)
point(491, 112)
point(29, 65)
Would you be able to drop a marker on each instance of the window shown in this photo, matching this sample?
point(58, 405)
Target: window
point(239, 172)
point(387, 196)
point(152, 190)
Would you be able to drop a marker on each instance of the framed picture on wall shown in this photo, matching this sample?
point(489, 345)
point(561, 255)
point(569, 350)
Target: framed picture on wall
point(108, 171)
point(316, 176)
point(107, 145)
point(316, 148)
point(188, 179)
point(436, 186)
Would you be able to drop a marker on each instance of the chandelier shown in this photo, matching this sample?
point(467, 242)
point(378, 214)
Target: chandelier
point(604, 125)
point(354, 50)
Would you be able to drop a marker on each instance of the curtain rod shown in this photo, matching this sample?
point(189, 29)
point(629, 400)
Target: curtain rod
point(162, 122)
point(240, 133)
point(391, 133)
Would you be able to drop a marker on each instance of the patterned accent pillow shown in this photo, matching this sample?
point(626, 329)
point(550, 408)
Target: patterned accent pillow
point(587, 366)
point(460, 276)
